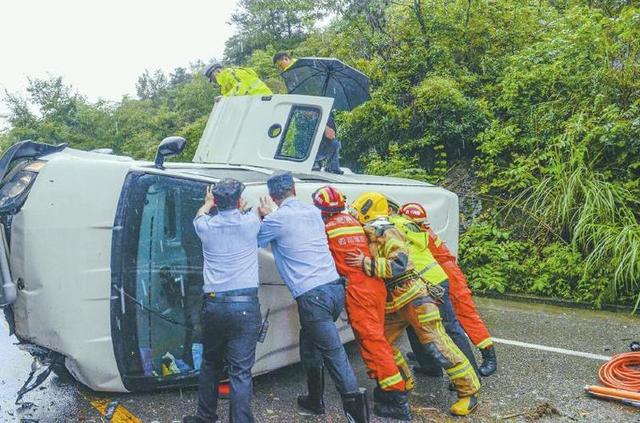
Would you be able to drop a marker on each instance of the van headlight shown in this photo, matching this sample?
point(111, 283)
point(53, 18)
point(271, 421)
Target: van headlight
point(15, 186)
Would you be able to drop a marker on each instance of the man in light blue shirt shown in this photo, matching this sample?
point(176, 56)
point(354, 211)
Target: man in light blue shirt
point(231, 316)
point(301, 252)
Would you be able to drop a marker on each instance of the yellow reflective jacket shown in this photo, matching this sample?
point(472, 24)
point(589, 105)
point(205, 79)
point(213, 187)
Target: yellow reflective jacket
point(419, 252)
point(241, 81)
point(390, 260)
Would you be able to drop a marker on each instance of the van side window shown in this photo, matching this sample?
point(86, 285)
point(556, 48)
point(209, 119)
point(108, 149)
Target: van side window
point(298, 136)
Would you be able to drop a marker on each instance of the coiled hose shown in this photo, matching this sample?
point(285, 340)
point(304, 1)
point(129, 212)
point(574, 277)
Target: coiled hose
point(621, 377)
point(622, 372)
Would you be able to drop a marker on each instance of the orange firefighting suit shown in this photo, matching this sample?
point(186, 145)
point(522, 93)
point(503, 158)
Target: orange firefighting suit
point(365, 301)
point(459, 293)
point(409, 303)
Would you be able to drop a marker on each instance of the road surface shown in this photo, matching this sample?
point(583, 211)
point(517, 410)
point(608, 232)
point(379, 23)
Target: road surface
point(546, 355)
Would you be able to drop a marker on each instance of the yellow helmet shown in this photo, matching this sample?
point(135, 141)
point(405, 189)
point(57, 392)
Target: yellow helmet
point(369, 206)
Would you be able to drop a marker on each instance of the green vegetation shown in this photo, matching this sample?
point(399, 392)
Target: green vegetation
point(535, 103)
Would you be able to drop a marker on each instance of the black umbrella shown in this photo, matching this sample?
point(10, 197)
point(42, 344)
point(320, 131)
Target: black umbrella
point(328, 78)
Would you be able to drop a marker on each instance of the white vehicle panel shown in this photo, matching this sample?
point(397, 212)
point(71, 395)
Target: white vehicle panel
point(61, 250)
point(237, 131)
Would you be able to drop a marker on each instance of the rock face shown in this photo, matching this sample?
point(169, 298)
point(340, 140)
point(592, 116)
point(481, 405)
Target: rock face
point(462, 180)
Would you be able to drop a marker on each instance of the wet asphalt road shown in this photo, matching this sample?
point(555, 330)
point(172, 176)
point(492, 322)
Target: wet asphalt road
point(527, 378)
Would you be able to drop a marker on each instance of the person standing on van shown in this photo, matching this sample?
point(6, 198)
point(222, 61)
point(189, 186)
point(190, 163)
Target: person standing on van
point(235, 81)
point(231, 316)
point(301, 253)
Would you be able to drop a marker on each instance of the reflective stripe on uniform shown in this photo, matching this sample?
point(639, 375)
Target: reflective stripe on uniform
point(460, 370)
point(380, 264)
point(427, 268)
point(390, 381)
point(253, 86)
point(403, 299)
point(485, 343)
point(429, 317)
point(333, 233)
point(390, 244)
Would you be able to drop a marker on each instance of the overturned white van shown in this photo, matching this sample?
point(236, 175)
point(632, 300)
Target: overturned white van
point(99, 260)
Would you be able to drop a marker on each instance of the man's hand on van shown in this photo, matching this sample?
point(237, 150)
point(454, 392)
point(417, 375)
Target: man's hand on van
point(209, 202)
point(266, 206)
point(243, 206)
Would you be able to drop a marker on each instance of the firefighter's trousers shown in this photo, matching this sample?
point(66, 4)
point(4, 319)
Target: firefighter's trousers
point(411, 305)
point(465, 307)
point(365, 305)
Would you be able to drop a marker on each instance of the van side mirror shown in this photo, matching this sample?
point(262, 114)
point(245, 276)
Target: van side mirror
point(169, 147)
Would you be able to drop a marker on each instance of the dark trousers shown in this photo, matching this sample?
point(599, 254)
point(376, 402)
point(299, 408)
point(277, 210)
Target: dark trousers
point(329, 151)
point(229, 331)
point(451, 326)
point(320, 342)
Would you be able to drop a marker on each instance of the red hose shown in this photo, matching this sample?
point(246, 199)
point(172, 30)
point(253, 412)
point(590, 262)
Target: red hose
point(622, 371)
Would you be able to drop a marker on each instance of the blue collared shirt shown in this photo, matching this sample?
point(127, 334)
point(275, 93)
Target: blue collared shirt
point(299, 244)
point(230, 250)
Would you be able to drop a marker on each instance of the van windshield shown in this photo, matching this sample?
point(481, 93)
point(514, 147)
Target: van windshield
point(160, 279)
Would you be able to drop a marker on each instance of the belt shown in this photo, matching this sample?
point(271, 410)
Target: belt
point(398, 280)
point(435, 291)
point(230, 298)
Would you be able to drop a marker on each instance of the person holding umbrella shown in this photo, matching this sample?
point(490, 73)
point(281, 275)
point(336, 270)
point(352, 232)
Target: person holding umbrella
point(327, 78)
point(283, 61)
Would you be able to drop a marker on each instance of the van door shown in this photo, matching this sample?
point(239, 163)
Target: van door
point(279, 132)
point(157, 281)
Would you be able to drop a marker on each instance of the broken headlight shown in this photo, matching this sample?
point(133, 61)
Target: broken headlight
point(15, 186)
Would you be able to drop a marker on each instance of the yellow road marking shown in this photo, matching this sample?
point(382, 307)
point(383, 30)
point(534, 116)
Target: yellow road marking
point(120, 415)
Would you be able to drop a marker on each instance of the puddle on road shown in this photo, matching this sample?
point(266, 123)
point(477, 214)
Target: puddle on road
point(53, 399)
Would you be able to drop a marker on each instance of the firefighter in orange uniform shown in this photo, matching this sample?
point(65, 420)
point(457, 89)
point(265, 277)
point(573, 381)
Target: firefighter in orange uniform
point(410, 302)
point(459, 292)
point(366, 295)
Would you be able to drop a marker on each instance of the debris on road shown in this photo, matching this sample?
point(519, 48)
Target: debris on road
point(541, 410)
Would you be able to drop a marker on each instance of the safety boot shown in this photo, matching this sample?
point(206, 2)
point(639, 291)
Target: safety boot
point(464, 406)
point(356, 406)
point(378, 395)
point(393, 404)
point(313, 402)
point(489, 361)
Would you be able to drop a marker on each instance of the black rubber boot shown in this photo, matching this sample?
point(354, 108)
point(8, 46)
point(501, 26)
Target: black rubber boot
point(426, 365)
point(489, 361)
point(356, 406)
point(313, 402)
point(378, 395)
point(393, 404)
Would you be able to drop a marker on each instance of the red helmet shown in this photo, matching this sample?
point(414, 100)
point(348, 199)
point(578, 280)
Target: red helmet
point(329, 200)
point(415, 212)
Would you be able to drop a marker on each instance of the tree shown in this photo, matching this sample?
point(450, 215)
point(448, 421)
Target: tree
point(151, 86)
point(281, 23)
